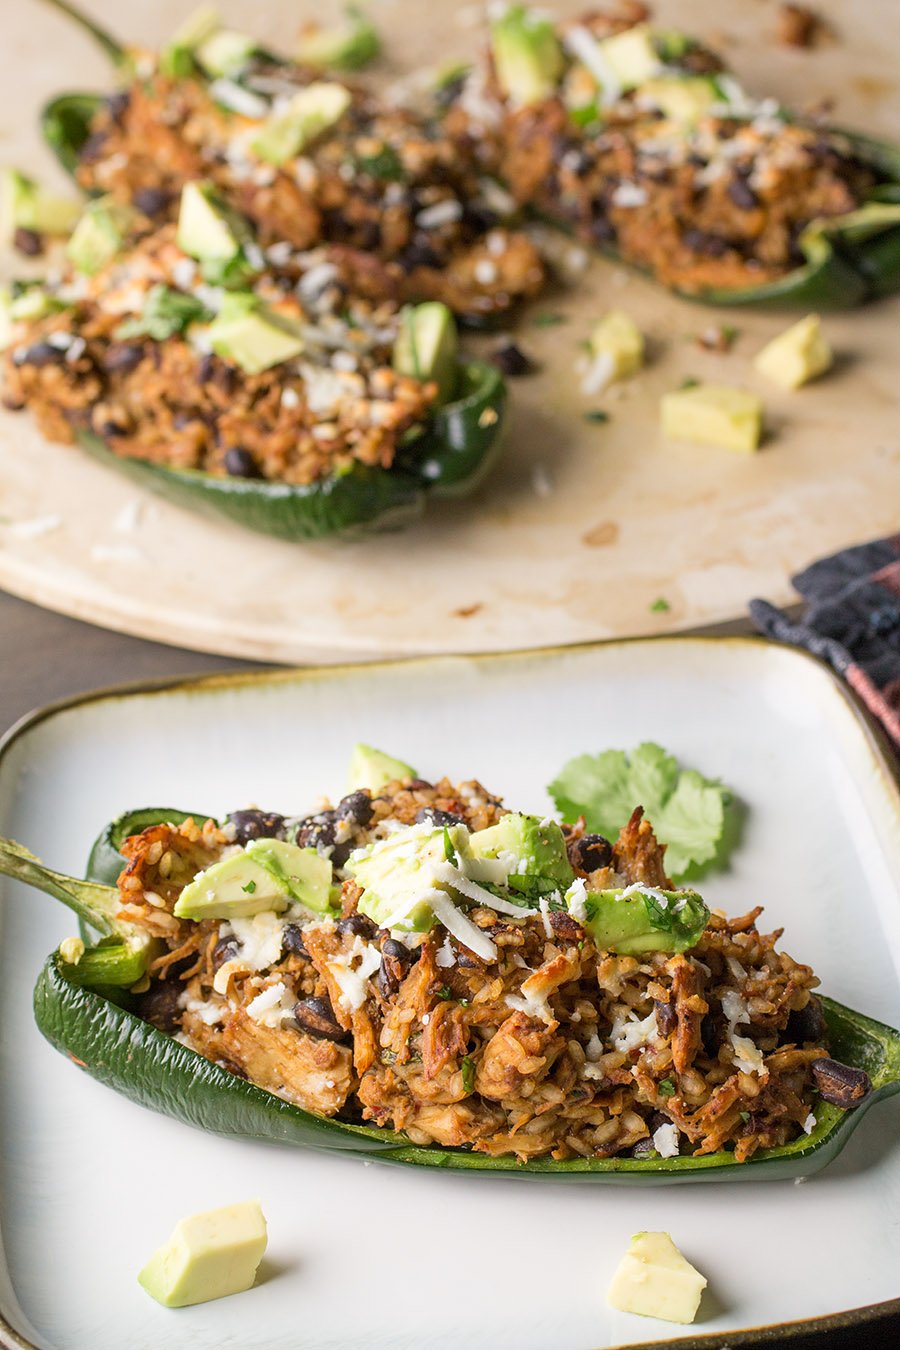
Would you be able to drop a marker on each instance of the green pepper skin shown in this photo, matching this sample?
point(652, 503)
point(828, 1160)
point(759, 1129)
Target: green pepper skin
point(127, 1054)
point(96, 1029)
point(450, 457)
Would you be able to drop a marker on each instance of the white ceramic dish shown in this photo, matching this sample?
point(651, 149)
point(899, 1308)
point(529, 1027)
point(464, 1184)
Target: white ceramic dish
point(369, 1256)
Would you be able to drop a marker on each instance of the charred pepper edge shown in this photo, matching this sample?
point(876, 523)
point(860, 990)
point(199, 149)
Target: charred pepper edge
point(109, 1041)
point(451, 456)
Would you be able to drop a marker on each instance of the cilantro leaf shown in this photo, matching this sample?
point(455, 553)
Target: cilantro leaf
point(686, 810)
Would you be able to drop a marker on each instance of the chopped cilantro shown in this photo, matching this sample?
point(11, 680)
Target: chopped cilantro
point(384, 163)
point(596, 415)
point(666, 1088)
point(165, 313)
point(745, 1116)
point(548, 318)
point(689, 382)
point(449, 850)
point(468, 1074)
point(249, 888)
point(445, 993)
point(686, 810)
point(660, 605)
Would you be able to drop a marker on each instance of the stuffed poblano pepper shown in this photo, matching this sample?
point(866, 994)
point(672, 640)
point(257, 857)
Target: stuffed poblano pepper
point(419, 975)
point(637, 139)
point(264, 385)
point(308, 156)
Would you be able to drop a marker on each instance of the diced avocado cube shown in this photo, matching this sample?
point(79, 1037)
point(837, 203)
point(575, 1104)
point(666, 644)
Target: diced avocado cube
point(25, 206)
point(303, 871)
point(631, 55)
point(528, 59)
point(371, 769)
point(309, 113)
point(225, 52)
point(399, 873)
point(618, 338)
point(207, 228)
point(654, 1280)
point(235, 888)
point(796, 355)
point(177, 57)
point(533, 850)
point(33, 303)
point(348, 46)
point(683, 100)
point(199, 25)
point(427, 346)
point(252, 336)
point(644, 919)
point(99, 235)
point(713, 414)
point(208, 1256)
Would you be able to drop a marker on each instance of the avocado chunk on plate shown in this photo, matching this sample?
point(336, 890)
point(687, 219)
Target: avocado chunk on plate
point(527, 56)
point(533, 851)
point(371, 769)
point(309, 113)
point(253, 336)
point(268, 875)
point(347, 46)
point(427, 346)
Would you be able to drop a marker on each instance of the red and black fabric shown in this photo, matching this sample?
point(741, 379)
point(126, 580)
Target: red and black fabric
point(851, 620)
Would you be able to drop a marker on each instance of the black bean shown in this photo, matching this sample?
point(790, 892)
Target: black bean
point(111, 428)
point(356, 806)
point(122, 357)
point(357, 924)
point(93, 147)
point(315, 1016)
point(602, 230)
point(479, 218)
point(395, 962)
point(666, 1017)
point(437, 817)
point(255, 824)
point(419, 785)
point(28, 242)
point(742, 194)
point(709, 1035)
point(839, 1083)
point(117, 103)
point(226, 949)
point(152, 201)
point(565, 926)
point(239, 463)
point(712, 245)
point(806, 1025)
point(292, 941)
point(512, 361)
point(419, 255)
point(590, 852)
point(41, 354)
point(317, 831)
point(643, 1148)
point(161, 1004)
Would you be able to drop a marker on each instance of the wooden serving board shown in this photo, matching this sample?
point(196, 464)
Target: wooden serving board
point(582, 526)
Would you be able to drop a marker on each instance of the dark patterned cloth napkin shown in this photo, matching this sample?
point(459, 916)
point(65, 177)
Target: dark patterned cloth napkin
point(852, 621)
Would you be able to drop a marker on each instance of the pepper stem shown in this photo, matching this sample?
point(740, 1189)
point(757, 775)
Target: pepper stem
point(95, 905)
point(104, 39)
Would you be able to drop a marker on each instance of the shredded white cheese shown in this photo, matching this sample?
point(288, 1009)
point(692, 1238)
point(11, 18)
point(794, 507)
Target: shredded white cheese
point(272, 1006)
point(462, 928)
point(444, 956)
point(665, 1141)
point(576, 897)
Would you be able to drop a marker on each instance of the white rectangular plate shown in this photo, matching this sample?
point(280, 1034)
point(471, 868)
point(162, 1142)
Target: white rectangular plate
point(362, 1255)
